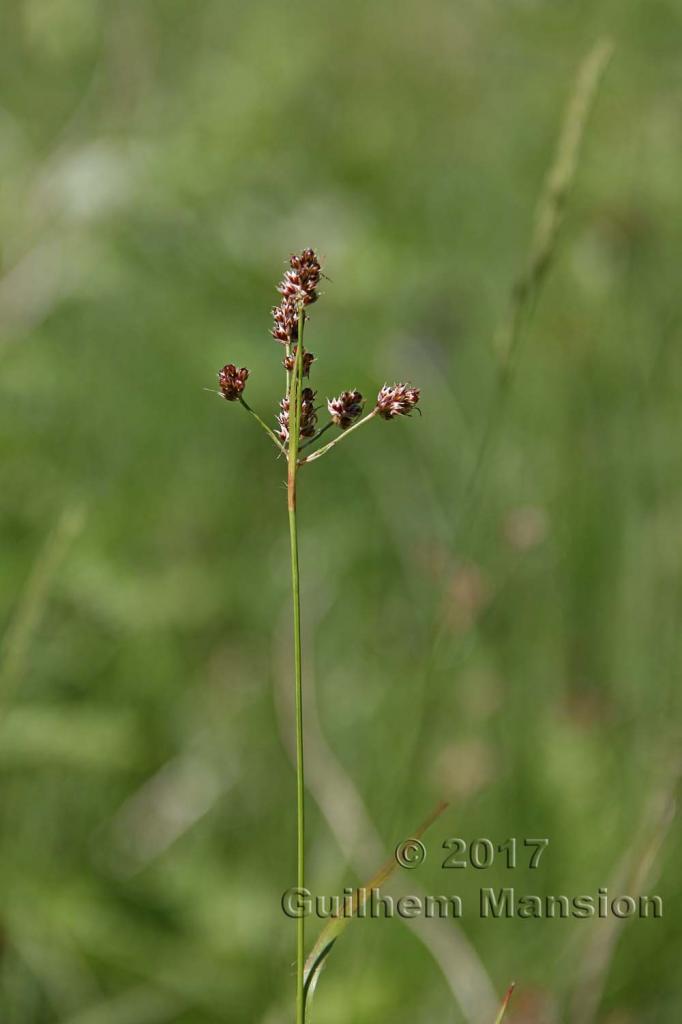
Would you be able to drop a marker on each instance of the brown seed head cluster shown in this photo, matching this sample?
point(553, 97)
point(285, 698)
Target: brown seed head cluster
point(345, 408)
point(283, 419)
point(307, 359)
point(285, 326)
point(396, 400)
point(232, 381)
point(308, 415)
point(301, 280)
point(297, 287)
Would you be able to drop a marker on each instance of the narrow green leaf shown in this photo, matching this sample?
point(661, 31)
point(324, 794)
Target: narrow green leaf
point(336, 925)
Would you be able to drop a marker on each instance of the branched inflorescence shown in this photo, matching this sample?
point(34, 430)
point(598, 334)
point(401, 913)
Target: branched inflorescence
point(298, 290)
point(295, 434)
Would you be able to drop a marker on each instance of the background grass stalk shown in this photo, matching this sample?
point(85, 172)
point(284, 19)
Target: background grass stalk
point(549, 215)
point(294, 432)
point(16, 643)
point(505, 1003)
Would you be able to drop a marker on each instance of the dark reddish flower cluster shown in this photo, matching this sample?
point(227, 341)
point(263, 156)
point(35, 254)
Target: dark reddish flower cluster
point(285, 317)
point(396, 400)
point(308, 415)
point(301, 280)
point(289, 362)
point(232, 381)
point(345, 409)
point(298, 287)
point(283, 419)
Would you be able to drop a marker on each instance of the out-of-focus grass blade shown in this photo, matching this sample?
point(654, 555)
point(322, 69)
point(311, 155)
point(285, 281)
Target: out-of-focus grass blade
point(88, 739)
point(336, 925)
point(632, 876)
point(16, 643)
point(505, 1003)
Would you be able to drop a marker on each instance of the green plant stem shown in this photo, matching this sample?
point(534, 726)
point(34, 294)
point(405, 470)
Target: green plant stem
point(271, 434)
point(294, 435)
point(346, 433)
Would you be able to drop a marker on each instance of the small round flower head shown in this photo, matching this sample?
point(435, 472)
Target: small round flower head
point(308, 415)
point(289, 362)
point(232, 381)
point(396, 400)
point(345, 409)
point(301, 280)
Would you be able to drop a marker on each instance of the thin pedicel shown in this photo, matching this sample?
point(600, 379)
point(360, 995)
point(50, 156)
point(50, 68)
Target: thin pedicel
point(297, 430)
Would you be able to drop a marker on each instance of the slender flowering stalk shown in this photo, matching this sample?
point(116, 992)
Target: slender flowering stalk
point(328, 447)
point(317, 436)
point(295, 406)
point(297, 429)
point(271, 434)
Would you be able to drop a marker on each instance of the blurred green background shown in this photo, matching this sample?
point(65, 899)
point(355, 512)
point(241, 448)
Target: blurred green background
point(514, 647)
